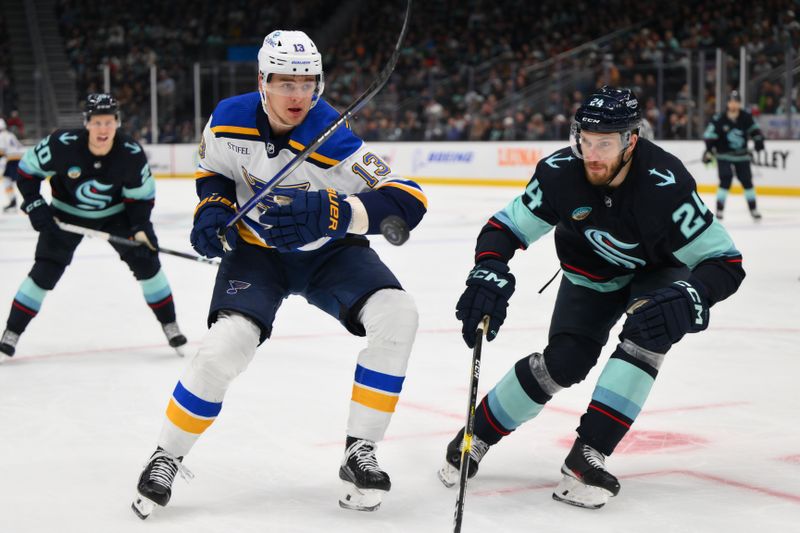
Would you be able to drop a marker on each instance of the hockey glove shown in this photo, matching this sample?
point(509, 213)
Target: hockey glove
point(708, 157)
point(306, 217)
point(211, 214)
point(662, 317)
point(759, 144)
point(40, 215)
point(489, 287)
point(144, 234)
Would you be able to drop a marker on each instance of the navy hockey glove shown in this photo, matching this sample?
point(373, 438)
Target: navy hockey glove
point(662, 317)
point(144, 234)
point(489, 287)
point(306, 217)
point(211, 214)
point(759, 144)
point(40, 215)
point(708, 157)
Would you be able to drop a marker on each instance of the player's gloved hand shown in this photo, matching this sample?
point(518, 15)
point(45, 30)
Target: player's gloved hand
point(759, 144)
point(305, 217)
point(662, 317)
point(708, 157)
point(144, 234)
point(40, 214)
point(489, 287)
point(211, 214)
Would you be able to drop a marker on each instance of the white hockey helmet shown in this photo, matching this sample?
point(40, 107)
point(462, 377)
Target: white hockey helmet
point(3, 125)
point(292, 53)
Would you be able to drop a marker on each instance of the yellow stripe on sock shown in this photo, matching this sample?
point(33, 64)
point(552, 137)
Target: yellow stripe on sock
point(374, 400)
point(185, 421)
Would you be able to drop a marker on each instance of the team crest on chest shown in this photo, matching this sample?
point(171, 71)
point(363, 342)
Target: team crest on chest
point(256, 185)
point(611, 249)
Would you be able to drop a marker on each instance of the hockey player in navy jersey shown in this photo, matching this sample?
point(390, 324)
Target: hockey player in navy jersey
point(726, 140)
point(635, 240)
point(100, 179)
point(312, 245)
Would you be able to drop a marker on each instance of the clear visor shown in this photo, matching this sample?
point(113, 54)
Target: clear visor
point(593, 146)
point(297, 89)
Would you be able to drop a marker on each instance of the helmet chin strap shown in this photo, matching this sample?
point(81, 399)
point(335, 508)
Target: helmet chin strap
point(620, 166)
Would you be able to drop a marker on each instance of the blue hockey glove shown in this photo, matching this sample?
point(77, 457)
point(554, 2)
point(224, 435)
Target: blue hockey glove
point(211, 214)
point(306, 217)
point(40, 215)
point(662, 317)
point(145, 234)
point(489, 287)
point(708, 157)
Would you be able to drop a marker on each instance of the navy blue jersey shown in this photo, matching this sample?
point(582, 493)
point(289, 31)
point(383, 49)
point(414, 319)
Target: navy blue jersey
point(89, 186)
point(654, 219)
point(728, 138)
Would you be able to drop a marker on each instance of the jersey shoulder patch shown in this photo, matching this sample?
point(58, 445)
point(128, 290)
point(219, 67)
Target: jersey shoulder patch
point(341, 145)
point(236, 117)
point(658, 169)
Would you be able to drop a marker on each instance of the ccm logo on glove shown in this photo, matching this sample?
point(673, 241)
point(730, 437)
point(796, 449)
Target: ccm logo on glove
point(698, 302)
point(488, 275)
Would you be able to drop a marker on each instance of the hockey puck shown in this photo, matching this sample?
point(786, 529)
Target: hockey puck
point(395, 230)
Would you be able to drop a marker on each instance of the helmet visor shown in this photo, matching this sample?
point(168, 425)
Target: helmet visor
point(593, 146)
point(295, 88)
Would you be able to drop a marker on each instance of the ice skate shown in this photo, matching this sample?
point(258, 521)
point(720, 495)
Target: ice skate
point(11, 207)
point(364, 481)
point(8, 344)
point(450, 473)
point(720, 213)
point(755, 214)
point(586, 482)
point(175, 338)
point(155, 482)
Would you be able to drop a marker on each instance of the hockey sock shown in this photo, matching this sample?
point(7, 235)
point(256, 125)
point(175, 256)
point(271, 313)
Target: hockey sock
point(722, 195)
point(158, 296)
point(390, 319)
point(26, 305)
point(224, 353)
point(518, 397)
point(750, 196)
point(619, 396)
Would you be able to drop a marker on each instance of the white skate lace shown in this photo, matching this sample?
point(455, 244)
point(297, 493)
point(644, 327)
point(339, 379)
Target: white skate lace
point(364, 452)
point(10, 338)
point(478, 449)
point(171, 330)
point(165, 466)
point(593, 457)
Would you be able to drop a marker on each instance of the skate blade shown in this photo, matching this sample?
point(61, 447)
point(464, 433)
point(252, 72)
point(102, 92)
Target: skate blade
point(357, 499)
point(575, 492)
point(449, 475)
point(180, 350)
point(142, 506)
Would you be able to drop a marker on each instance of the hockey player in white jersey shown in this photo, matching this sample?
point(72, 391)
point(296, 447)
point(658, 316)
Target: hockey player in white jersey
point(11, 151)
point(312, 244)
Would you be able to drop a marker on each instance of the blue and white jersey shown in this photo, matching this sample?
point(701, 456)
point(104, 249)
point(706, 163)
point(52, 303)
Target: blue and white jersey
point(238, 146)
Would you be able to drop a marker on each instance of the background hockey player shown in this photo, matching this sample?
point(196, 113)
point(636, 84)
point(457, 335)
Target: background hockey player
point(99, 179)
point(11, 151)
point(634, 238)
point(726, 139)
point(313, 247)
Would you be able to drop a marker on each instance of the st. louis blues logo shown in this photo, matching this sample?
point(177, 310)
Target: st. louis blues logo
point(237, 286)
point(608, 247)
point(257, 185)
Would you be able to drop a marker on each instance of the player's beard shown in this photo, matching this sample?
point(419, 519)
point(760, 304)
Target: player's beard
point(601, 173)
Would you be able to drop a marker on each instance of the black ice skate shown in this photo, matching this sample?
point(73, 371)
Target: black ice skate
point(720, 213)
point(11, 207)
point(8, 344)
point(155, 482)
point(450, 473)
point(364, 481)
point(586, 482)
point(175, 338)
point(755, 214)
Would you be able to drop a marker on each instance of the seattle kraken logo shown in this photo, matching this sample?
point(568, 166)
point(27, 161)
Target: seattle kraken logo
point(736, 139)
point(608, 247)
point(88, 194)
point(237, 286)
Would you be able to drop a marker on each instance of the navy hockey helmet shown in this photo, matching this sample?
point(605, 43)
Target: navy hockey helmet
point(607, 110)
point(100, 104)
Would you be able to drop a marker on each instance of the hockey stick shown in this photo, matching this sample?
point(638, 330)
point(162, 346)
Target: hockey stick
point(292, 165)
point(469, 427)
point(115, 239)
